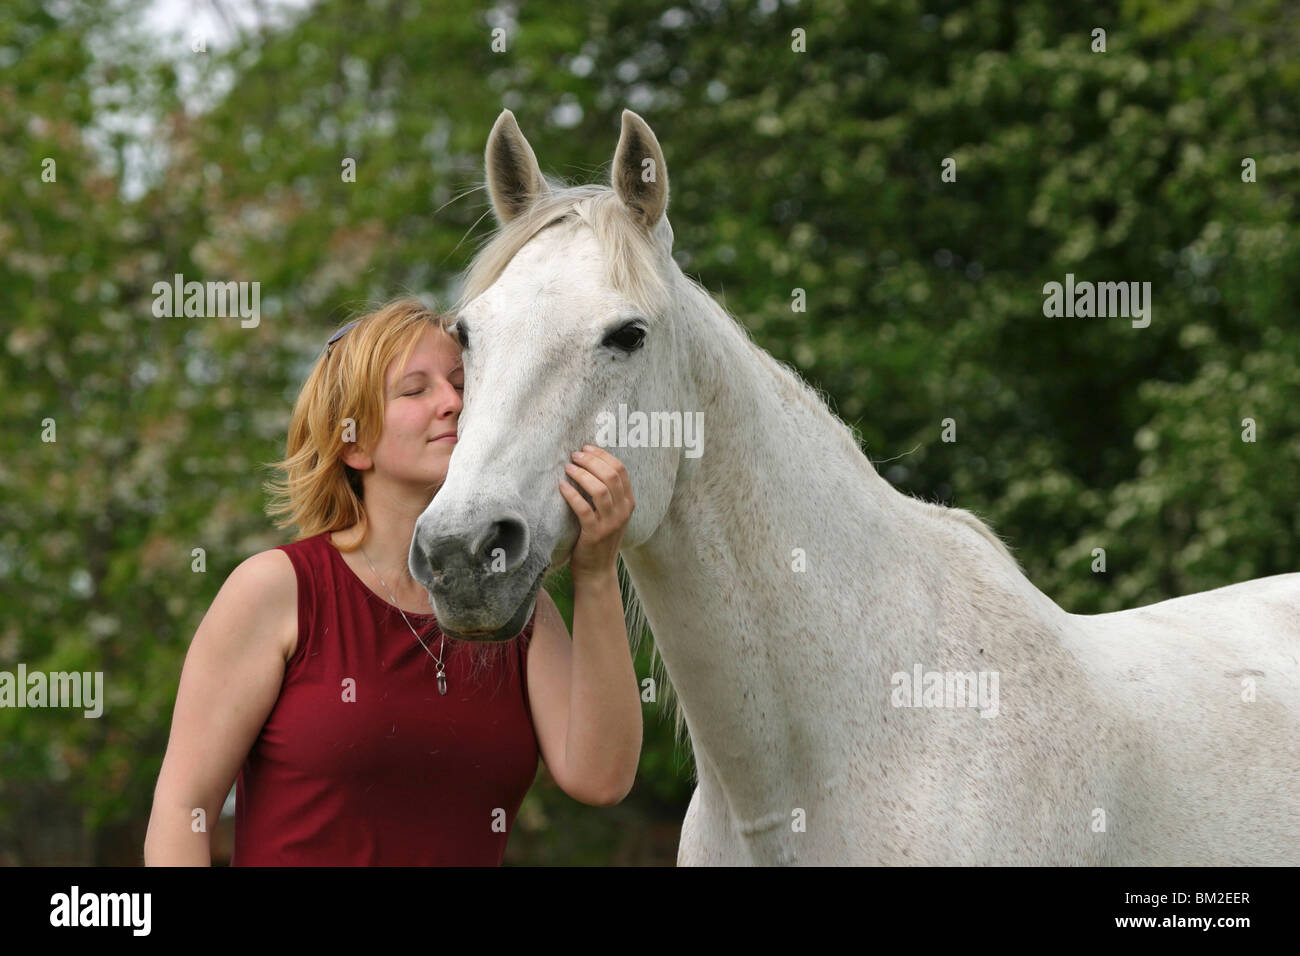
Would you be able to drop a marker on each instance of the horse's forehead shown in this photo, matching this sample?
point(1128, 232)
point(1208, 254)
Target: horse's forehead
point(560, 282)
point(555, 261)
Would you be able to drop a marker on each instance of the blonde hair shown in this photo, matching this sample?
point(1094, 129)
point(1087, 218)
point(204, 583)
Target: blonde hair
point(317, 491)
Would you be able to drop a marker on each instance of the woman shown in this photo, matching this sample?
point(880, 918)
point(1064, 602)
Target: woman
point(359, 733)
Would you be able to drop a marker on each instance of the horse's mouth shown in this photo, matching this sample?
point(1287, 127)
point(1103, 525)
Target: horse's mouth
point(513, 626)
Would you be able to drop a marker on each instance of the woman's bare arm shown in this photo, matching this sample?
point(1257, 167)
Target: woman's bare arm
point(229, 684)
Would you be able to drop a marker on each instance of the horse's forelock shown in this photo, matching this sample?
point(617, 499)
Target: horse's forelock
point(633, 259)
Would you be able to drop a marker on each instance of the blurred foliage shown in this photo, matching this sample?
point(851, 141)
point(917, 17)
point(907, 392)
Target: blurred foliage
point(818, 171)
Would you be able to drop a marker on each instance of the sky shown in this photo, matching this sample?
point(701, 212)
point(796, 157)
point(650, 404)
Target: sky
point(180, 31)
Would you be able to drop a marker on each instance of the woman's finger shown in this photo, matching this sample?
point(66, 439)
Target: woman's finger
point(579, 504)
point(601, 464)
point(617, 470)
point(593, 485)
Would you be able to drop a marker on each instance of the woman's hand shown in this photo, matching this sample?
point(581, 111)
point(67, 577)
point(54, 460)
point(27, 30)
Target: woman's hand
point(605, 479)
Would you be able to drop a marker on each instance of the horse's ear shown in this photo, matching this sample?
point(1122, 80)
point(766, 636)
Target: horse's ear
point(514, 179)
point(640, 176)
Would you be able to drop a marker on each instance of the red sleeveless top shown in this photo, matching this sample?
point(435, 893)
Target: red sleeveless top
point(361, 761)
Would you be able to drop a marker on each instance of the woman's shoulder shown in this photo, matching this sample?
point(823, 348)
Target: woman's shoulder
point(269, 581)
point(274, 569)
point(316, 543)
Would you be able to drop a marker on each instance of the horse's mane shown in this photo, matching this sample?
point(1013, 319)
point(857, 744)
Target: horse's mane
point(793, 386)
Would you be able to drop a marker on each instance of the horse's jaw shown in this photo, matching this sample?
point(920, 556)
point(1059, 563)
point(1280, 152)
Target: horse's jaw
point(448, 610)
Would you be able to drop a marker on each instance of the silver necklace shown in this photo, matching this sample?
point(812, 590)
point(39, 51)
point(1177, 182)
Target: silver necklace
point(442, 674)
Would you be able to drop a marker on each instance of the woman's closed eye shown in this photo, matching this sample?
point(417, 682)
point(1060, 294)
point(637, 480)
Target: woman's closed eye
point(459, 388)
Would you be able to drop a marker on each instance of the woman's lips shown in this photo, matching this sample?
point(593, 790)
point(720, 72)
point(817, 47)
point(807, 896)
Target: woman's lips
point(450, 439)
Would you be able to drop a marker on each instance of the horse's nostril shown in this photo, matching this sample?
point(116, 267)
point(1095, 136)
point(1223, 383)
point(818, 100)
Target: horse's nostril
point(459, 559)
point(502, 545)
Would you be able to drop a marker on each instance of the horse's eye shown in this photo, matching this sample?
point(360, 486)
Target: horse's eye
point(629, 338)
point(463, 335)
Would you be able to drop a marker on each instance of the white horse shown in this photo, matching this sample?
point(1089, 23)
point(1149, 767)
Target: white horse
point(800, 603)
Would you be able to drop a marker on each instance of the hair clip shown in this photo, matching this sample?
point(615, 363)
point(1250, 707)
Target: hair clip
point(338, 335)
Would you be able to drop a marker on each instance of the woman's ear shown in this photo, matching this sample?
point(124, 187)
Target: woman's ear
point(358, 460)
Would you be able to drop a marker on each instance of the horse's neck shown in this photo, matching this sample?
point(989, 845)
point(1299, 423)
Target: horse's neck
point(788, 581)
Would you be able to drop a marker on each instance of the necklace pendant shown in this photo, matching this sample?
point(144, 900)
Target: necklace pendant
point(442, 682)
